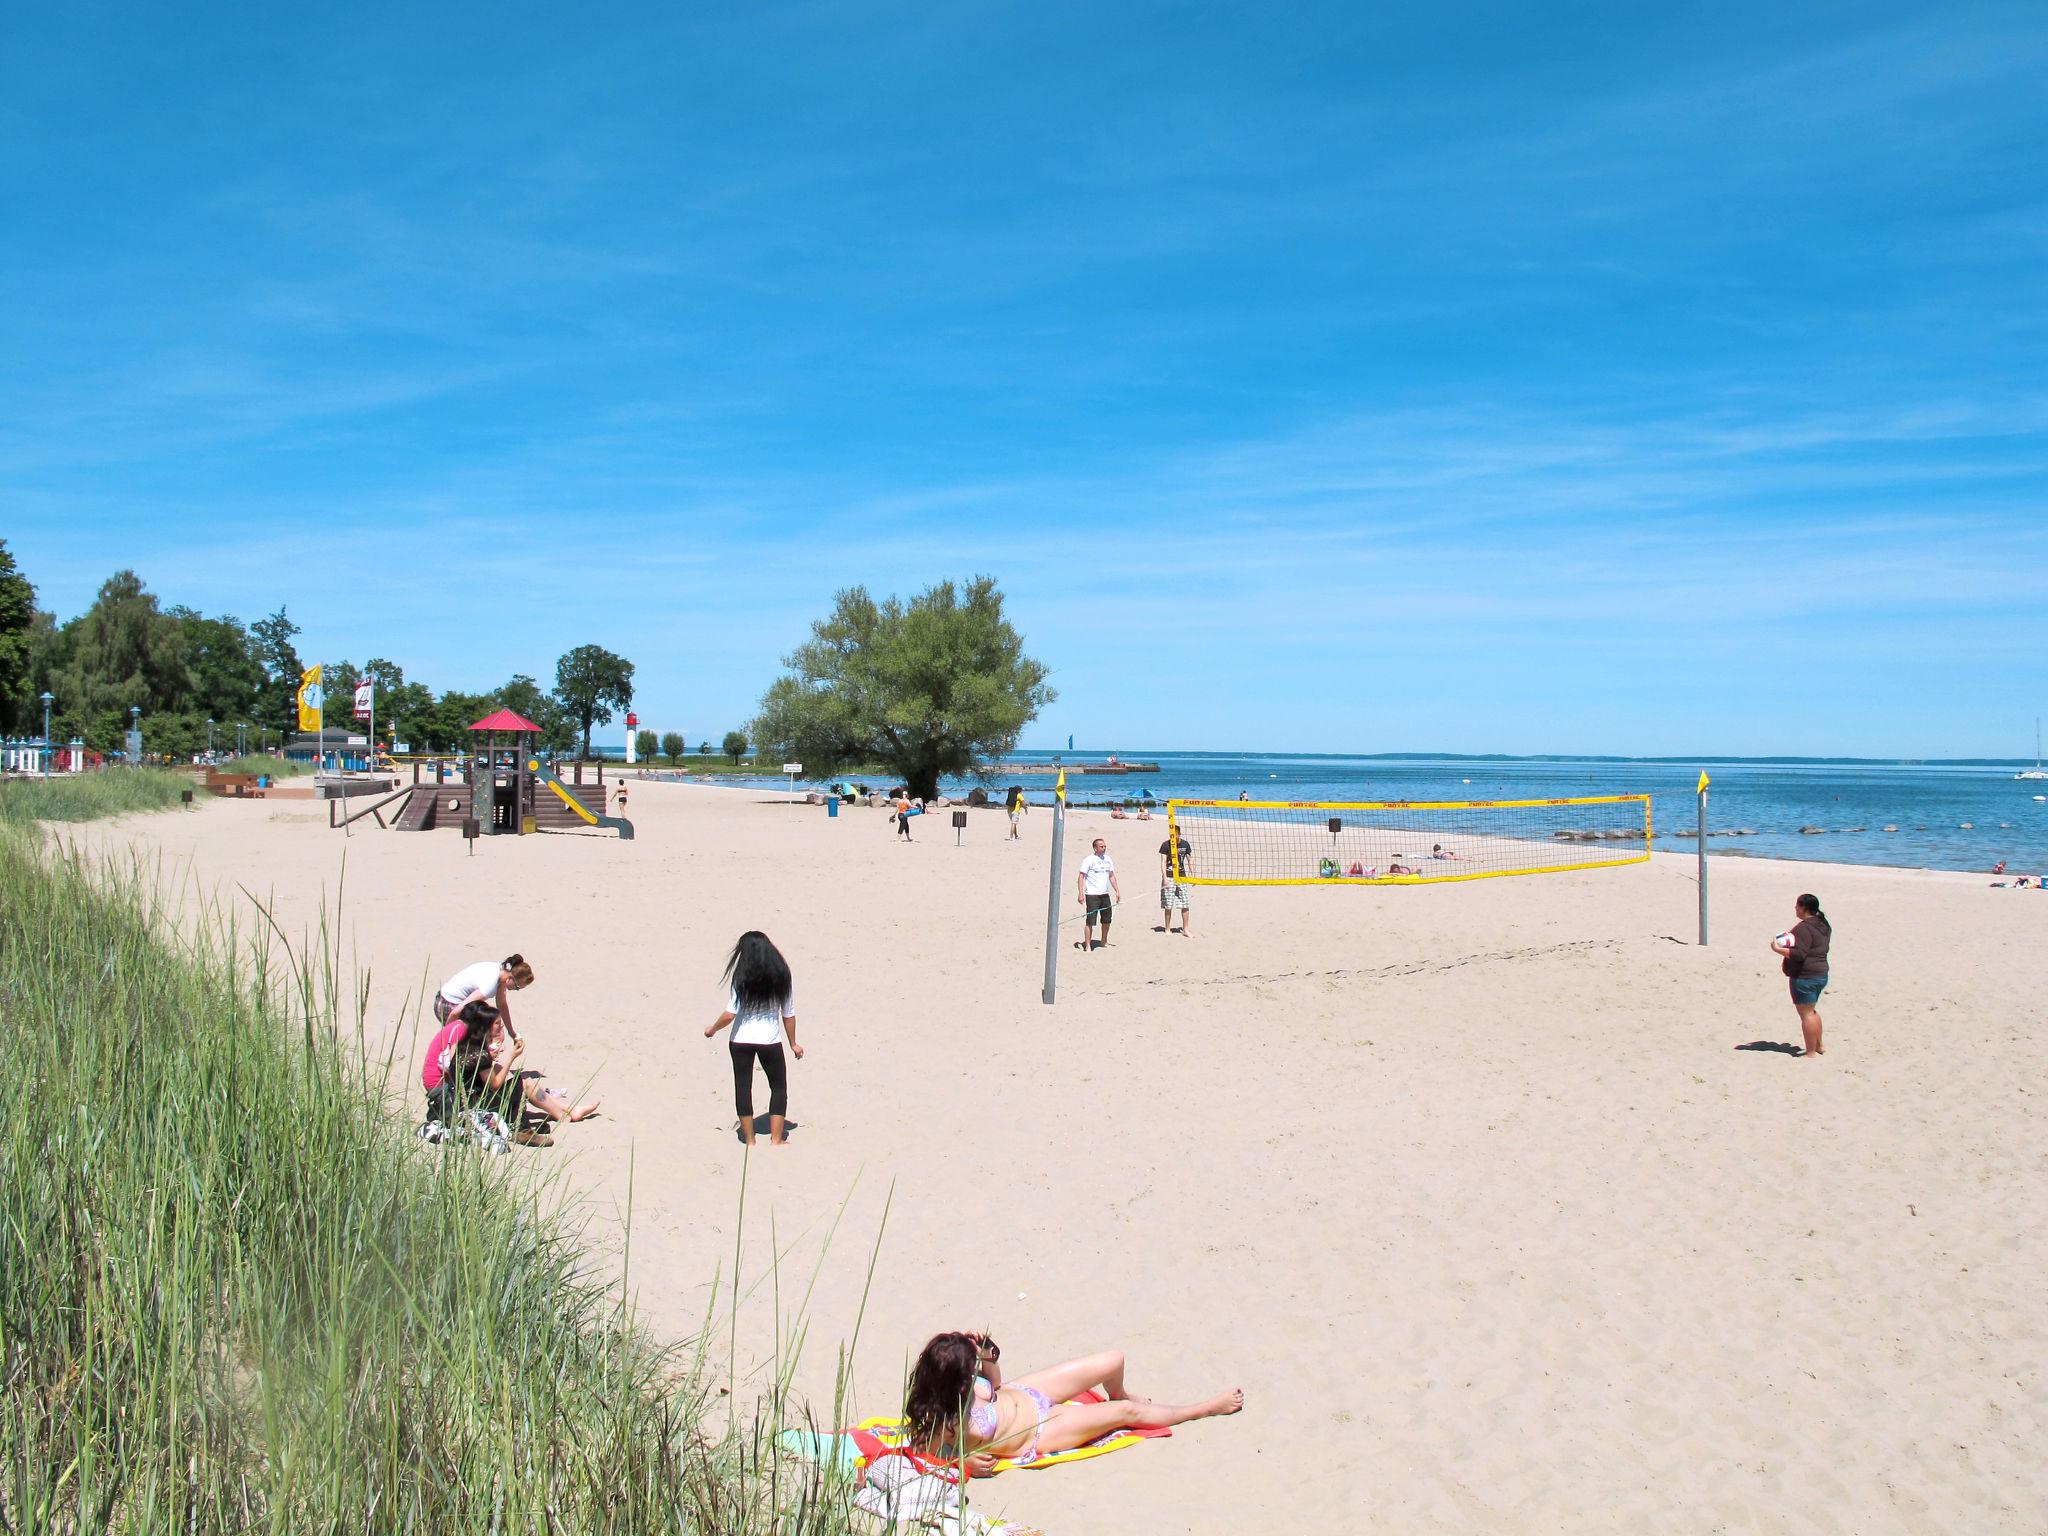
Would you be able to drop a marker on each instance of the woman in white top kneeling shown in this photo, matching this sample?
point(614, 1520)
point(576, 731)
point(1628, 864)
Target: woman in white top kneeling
point(761, 1008)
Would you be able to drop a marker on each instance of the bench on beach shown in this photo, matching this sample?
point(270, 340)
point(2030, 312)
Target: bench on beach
point(239, 786)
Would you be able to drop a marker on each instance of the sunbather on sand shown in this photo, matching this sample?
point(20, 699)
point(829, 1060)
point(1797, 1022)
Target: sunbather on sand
point(959, 1405)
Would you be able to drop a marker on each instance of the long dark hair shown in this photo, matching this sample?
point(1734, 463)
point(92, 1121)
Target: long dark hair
point(471, 1059)
point(1810, 905)
point(941, 1388)
point(758, 974)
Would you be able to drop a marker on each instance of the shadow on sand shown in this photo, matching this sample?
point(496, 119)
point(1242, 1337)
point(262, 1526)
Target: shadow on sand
point(1782, 1047)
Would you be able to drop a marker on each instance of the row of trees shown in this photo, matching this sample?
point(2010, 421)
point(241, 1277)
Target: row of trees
point(181, 668)
point(935, 686)
point(674, 746)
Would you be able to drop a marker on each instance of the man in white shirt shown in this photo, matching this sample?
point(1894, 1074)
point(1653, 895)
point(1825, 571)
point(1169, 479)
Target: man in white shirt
point(1096, 889)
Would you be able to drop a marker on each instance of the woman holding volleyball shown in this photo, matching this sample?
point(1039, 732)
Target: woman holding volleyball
point(1803, 949)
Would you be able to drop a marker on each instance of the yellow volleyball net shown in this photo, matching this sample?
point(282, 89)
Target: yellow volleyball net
point(1401, 842)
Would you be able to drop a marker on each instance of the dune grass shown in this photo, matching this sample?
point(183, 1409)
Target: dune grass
point(92, 796)
point(263, 762)
point(237, 1295)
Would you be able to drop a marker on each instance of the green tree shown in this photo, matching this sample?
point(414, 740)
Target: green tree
point(591, 682)
point(122, 652)
point(703, 749)
point(227, 678)
point(18, 712)
point(645, 745)
point(276, 707)
point(673, 746)
point(522, 695)
point(338, 681)
point(735, 745)
point(403, 712)
point(934, 686)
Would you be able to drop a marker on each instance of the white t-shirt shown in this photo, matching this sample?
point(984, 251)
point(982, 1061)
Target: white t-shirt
point(762, 1028)
point(470, 980)
point(1095, 872)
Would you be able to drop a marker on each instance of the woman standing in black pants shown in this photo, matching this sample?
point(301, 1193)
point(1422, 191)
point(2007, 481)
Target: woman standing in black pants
point(761, 1008)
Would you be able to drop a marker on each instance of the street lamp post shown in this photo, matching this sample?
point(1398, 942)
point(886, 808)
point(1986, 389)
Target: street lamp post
point(135, 735)
point(209, 736)
point(241, 738)
point(48, 699)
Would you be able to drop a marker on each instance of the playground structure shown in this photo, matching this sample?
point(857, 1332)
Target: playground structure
point(508, 788)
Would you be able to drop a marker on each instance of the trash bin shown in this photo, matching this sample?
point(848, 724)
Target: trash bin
point(832, 807)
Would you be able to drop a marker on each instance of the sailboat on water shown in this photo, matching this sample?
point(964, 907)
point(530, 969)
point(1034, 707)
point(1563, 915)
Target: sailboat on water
point(2037, 771)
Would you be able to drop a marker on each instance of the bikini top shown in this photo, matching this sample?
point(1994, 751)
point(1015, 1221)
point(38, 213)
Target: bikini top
point(981, 1416)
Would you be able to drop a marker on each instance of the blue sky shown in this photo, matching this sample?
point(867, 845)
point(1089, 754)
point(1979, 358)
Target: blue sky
point(1327, 378)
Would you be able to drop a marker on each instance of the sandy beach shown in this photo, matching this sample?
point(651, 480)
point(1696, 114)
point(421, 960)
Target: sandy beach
point(1465, 1185)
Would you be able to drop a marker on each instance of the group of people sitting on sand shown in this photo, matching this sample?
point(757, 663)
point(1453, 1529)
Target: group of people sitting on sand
point(473, 1059)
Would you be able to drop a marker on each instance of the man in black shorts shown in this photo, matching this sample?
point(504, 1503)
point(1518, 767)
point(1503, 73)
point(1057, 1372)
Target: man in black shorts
point(1096, 889)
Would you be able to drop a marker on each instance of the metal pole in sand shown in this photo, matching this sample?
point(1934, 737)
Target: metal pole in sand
point(1703, 860)
point(1052, 902)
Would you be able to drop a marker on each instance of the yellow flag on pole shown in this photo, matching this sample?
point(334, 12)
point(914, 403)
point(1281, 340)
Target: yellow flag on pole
point(1703, 783)
point(1059, 787)
point(309, 699)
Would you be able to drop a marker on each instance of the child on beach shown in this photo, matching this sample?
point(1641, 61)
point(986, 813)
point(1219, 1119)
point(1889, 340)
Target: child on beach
point(760, 1006)
point(1017, 808)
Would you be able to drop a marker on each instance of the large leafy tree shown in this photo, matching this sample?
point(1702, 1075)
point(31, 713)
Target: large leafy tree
point(934, 686)
point(277, 706)
point(735, 745)
point(525, 696)
point(591, 682)
point(227, 678)
point(122, 652)
point(673, 746)
point(17, 626)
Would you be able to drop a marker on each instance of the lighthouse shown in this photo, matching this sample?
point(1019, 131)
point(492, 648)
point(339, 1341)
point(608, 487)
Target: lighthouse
point(632, 724)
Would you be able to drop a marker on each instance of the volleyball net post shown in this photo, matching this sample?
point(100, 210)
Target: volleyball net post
point(1402, 842)
point(1052, 903)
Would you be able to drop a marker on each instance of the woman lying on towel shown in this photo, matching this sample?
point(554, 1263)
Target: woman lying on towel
point(959, 1406)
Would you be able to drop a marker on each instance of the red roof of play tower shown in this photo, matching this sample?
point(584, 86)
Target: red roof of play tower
point(505, 720)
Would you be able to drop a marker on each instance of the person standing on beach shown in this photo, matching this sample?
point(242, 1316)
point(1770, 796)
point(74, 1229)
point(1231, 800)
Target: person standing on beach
point(1805, 961)
point(1017, 808)
point(902, 816)
point(1173, 890)
point(1096, 889)
point(760, 1005)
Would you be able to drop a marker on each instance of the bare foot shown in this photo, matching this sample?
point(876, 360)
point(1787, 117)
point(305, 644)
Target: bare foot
point(1227, 1403)
point(584, 1111)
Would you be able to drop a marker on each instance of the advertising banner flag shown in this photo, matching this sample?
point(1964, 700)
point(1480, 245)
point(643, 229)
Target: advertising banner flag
point(366, 694)
point(310, 700)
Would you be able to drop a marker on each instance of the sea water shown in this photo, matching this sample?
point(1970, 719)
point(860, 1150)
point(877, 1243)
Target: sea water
point(1963, 817)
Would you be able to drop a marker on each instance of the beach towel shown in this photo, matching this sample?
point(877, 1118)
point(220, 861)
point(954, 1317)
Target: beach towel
point(872, 1441)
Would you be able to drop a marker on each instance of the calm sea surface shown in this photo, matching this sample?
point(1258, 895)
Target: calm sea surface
point(1852, 802)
